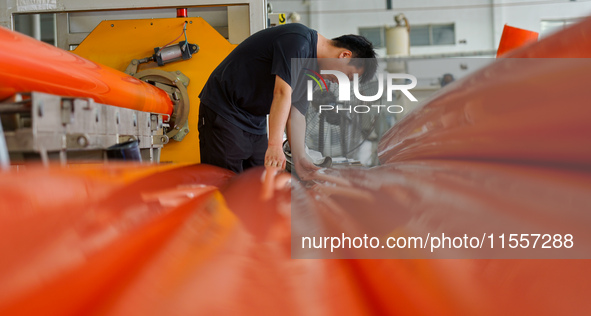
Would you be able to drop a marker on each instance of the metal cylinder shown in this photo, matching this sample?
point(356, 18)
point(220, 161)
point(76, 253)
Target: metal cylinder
point(397, 41)
point(397, 44)
point(398, 37)
point(30, 65)
point(4, 157)
point(170, 53)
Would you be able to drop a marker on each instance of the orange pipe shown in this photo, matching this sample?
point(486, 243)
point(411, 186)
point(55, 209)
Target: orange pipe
point(30, 65)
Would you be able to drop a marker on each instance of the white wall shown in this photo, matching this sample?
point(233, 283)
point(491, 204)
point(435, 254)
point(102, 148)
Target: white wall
point(478, 22)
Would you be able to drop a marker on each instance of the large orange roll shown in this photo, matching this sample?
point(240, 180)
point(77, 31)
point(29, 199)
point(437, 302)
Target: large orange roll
point(572, 42)
point(527, 110)
point(30, 65)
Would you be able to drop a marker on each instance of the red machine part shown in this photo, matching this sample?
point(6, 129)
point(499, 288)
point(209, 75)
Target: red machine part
point(30, 65)
point(182, 13)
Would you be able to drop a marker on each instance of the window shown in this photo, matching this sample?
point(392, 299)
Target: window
point(375, 35)
point(26, 24)
point(420, 35)
point(551, 26)
point(432, 34)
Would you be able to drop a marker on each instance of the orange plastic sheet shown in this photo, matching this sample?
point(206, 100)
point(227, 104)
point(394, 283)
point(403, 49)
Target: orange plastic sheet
point(210, 244)
point(513, 38)
point(572, 42)
point(431, 196)
point(75, 239)
point(29, 65)
point(522, 110)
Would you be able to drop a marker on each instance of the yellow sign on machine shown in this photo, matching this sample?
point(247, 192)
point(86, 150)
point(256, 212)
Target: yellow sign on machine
point(116, 43)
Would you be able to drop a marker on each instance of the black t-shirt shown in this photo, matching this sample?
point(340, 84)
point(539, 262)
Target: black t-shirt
point(240, 89)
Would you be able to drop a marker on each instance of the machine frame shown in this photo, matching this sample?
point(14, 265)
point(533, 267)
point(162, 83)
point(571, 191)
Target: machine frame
point(245, 17)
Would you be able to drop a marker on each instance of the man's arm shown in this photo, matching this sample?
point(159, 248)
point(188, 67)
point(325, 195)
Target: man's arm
point(274, 157)
point(296, 134)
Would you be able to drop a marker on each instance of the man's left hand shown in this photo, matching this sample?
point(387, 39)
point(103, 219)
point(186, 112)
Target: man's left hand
point(274, 157)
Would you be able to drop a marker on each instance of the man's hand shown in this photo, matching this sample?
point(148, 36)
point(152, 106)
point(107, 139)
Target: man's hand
point(305, 169)
point(274, 157)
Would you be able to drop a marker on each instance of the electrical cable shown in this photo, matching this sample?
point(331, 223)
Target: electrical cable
point(174, 40)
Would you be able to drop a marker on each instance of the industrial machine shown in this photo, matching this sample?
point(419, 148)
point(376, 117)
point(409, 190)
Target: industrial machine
point(72, 112)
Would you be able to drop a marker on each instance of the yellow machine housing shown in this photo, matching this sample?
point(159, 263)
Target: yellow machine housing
point(116, 43)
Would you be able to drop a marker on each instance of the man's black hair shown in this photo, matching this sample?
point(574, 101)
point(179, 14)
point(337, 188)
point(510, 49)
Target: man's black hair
point(361, 48)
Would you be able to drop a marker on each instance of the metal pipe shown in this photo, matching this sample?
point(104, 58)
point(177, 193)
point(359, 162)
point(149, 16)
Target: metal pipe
point(36, 26)
point(4, 158)
point(31, 65)
point(15, 108)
